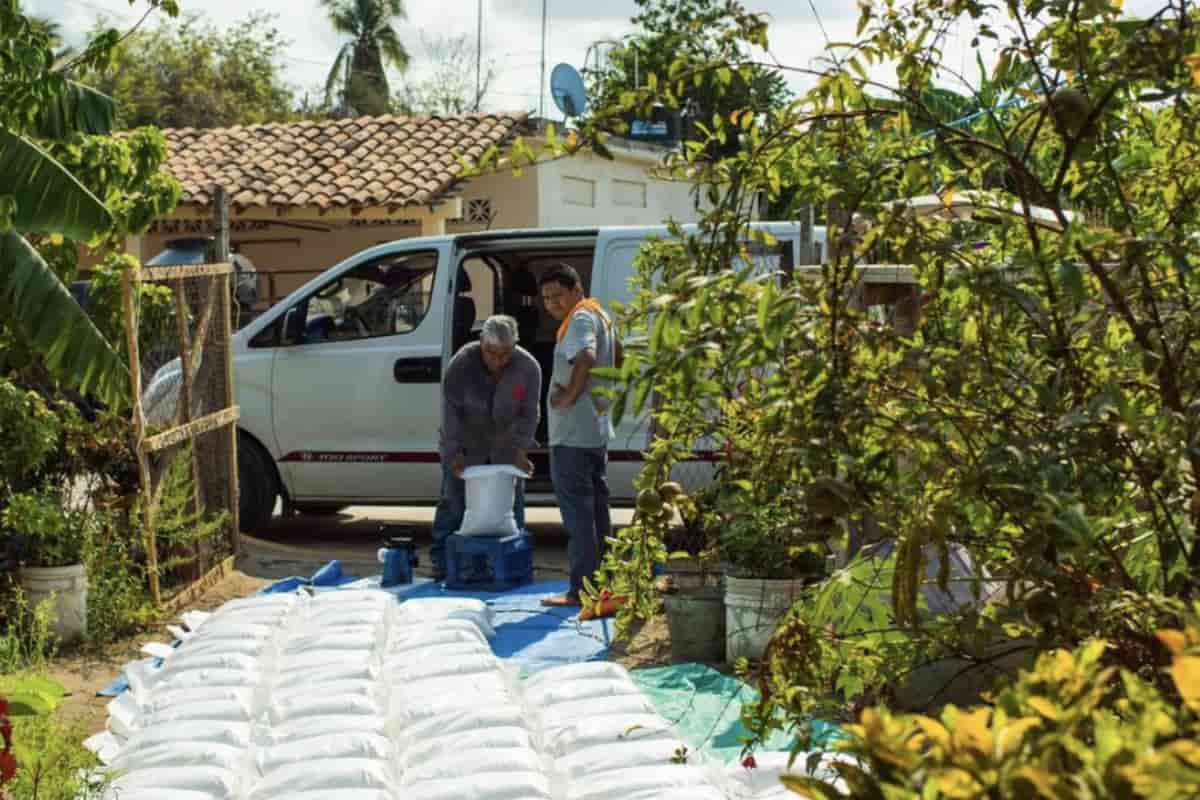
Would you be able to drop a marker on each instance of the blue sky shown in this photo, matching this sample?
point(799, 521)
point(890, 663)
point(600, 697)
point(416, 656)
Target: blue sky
point(511, 32)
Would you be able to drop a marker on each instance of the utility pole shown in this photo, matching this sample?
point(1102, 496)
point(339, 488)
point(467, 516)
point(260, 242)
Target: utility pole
point(542, 76)
point(478, 54)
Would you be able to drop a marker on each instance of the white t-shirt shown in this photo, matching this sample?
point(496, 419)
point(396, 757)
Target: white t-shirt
point(587, 423)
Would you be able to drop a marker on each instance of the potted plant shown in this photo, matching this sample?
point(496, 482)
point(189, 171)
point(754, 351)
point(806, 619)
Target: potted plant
point(51, 556)
point(691, 587)
point(773, 546)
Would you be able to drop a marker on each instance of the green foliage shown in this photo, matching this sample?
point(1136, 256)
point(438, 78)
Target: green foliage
point(183, 530)
point(190, 74)
point(29, 432)
point(357, 82)
point(68, 184)
point(54, 536)
point(1069, 727)
point(27, 640)
point(118, 595)
point(1041, 409)
point(51, 762)
point(675, 46)
point(31, 695)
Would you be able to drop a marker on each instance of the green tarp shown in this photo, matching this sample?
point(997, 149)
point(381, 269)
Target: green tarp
point(706, 705)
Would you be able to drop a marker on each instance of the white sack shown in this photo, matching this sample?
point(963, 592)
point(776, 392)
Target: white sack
point(433, 666)
point(564, 715)
point(588, 670)
point(608, 729)
point(472, 762)
point(211, 659)
point(490, 491)
point(221, 784)
point(444, 632)
point(603, 758)
point(343, 745)
point(485, 786)
point(450, 744)
point(319, 704)
point(294, 730)
point(360, 637)
point(216, 731)
point(341, 774)
point(341, 666)
point(208, 679)
point(637, 783)
point(406, 695)
point(181, 754)
point(290, 694)
point(552, 694)
point(464, 718)
point(426, 610)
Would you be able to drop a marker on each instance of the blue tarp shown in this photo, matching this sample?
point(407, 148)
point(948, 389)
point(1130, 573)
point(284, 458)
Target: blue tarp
point(531, 635)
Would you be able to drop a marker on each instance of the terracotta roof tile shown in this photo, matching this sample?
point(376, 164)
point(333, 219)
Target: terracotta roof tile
point(388, 161)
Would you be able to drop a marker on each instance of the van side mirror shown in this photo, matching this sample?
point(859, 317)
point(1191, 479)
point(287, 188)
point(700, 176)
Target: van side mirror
point(293, 327)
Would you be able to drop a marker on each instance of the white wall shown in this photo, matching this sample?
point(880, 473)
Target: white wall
point(586, 190)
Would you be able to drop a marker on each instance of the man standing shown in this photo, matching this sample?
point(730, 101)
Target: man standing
point(490, 413)
point(579, 427)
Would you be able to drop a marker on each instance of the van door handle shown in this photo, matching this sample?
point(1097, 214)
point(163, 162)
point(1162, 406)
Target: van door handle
point(418, 370)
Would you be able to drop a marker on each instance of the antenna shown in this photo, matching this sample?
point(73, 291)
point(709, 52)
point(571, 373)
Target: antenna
point(566, 87)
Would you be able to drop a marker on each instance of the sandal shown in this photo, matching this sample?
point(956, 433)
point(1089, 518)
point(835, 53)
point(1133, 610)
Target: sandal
point(561, 600)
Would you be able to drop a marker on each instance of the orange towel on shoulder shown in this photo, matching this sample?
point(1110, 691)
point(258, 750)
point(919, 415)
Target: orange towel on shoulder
point(586, 304)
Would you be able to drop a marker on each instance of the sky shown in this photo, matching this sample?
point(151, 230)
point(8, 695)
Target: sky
point(511, 33)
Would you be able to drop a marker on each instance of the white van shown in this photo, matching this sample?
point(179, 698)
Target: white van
point(339, 383)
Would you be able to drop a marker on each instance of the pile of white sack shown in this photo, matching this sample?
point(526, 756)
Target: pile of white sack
point(349, 695)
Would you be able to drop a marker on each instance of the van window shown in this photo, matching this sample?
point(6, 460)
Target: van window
point(618, 270)
point(384, 297)
point(483, 287)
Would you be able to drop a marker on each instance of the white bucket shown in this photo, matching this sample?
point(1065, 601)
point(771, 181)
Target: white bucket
point(753, 607)
point(68, 586)
point(490, 492)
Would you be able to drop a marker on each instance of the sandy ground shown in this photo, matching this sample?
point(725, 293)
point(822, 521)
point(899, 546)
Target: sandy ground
point(299, 546)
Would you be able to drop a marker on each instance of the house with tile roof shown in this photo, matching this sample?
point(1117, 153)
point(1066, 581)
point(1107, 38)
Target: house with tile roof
point(305, 195)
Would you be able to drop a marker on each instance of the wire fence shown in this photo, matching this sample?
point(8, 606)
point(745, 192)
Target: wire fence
point(178, 338)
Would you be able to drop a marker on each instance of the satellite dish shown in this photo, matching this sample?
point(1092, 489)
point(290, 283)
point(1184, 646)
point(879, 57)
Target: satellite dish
point(566, 87)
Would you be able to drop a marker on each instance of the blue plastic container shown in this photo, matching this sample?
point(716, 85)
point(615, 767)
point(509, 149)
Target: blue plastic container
point(489, 563)
point(399, 558)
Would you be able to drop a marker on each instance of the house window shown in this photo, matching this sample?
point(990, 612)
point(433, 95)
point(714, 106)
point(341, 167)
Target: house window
point(631, 194)
point(579, 192)
point(480, 211)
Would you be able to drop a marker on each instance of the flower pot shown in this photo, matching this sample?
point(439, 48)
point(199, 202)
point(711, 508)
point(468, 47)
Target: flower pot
point(696, 619)
point(68, 586)
point(753, 607)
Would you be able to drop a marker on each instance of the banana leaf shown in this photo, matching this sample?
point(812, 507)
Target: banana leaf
point(37, 305)
point(49, 198)
point(75, 109)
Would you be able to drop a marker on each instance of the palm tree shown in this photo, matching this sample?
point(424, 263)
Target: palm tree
point(359, 66)
point(39, 197)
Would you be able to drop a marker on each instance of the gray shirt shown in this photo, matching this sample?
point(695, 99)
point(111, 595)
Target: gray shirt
point(486, 419)
point(587, 423)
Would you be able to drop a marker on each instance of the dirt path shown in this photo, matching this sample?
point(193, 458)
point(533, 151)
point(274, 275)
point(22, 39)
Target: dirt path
point(84, 674)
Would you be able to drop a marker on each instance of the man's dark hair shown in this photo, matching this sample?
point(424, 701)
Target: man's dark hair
point(562, 274)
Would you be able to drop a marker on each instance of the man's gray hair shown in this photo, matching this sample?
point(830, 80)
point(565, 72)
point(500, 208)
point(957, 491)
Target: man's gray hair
point(500, 330)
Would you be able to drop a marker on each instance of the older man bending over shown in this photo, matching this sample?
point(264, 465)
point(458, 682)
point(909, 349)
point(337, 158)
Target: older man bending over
point(490, 413)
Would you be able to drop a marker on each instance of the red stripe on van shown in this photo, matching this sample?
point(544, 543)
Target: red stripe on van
point(426, 457)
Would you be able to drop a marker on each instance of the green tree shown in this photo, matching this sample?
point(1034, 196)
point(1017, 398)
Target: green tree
point(63, 182)
point(677, 35)
point(189, 74)
point(357, 82)
point(1041, 414)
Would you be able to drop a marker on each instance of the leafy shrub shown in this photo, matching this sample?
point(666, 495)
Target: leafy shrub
point(1070, 727)
point(27, 640)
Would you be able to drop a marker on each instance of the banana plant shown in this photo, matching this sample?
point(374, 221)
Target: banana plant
point(41, 199)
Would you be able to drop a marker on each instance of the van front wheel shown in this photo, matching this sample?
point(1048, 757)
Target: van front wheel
point(257, 486)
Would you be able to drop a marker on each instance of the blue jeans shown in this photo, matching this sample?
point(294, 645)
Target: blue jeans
point(580, 476)
point(451, 507)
